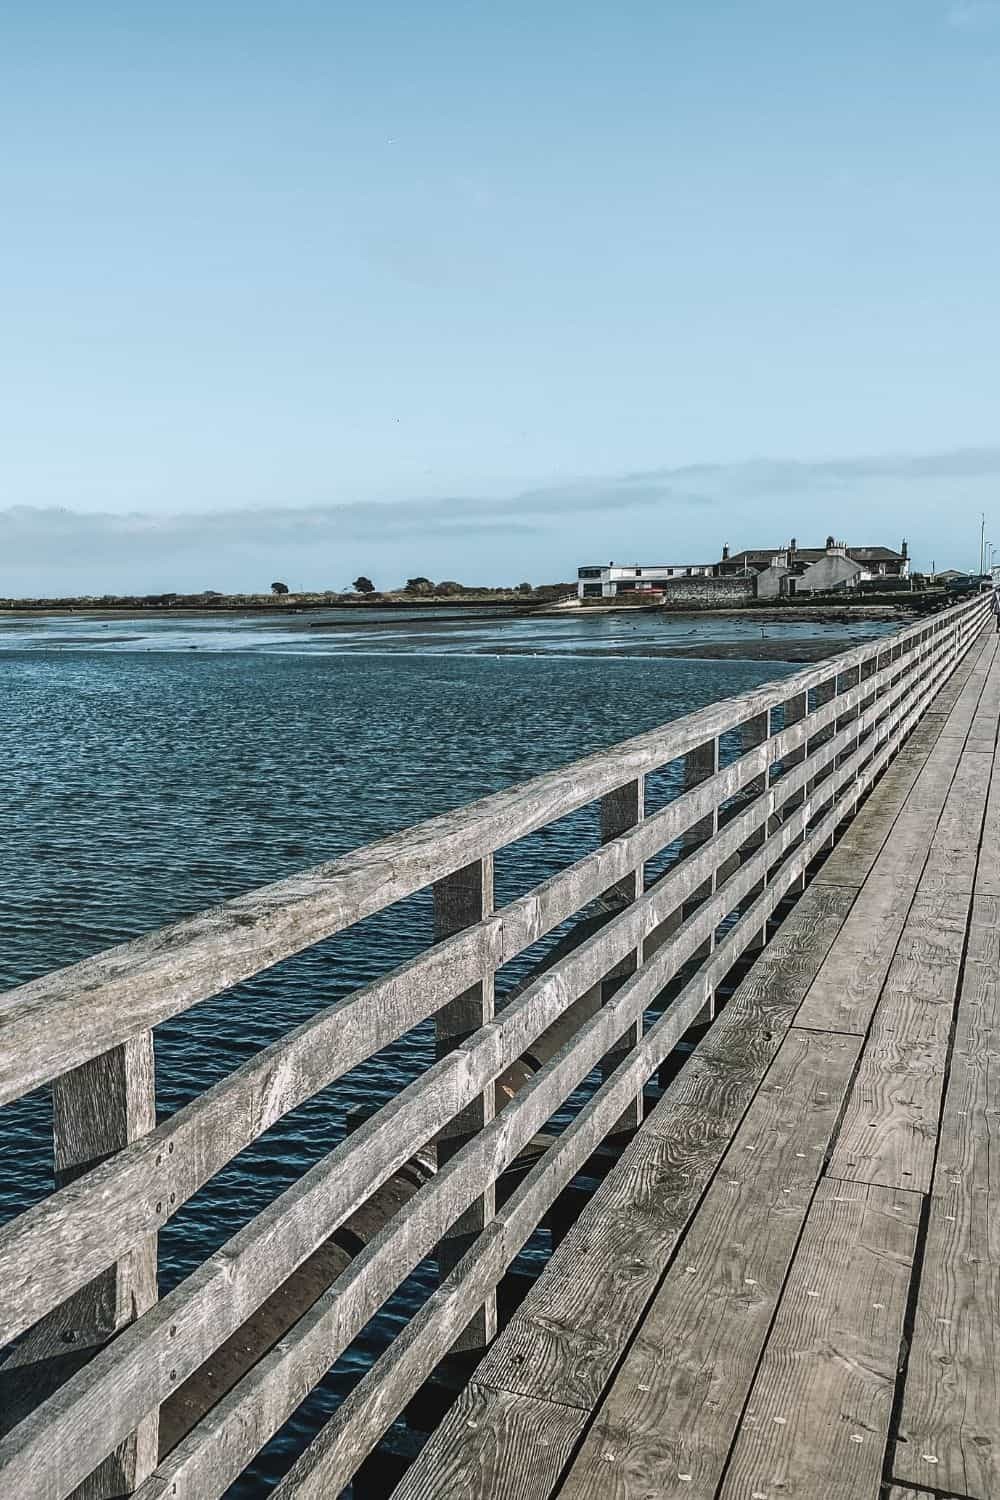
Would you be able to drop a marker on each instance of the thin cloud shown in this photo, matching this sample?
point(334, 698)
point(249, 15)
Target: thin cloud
point(541, 532)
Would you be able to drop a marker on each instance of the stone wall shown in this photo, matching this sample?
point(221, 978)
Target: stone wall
point(708, 593)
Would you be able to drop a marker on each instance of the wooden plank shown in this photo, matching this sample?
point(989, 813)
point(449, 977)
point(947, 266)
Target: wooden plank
point(463, 900)
point(889, 1131)
point(518, 1442)
point(668, 1421)
point(97, 1109)
point(846, 990)
point(577, 1320)
point(949, 1428)
point(851, 861)
point(988, 872)
point(817, 1417)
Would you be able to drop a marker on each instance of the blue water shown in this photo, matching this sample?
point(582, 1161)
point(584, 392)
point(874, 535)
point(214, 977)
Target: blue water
point(142, 781)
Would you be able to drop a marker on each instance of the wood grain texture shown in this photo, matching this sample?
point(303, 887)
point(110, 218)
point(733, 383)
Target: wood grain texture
point(621, 811)
point(846, 990)
point(817, 1417)
point(463, 900)
point(575, 1323)
point(668, 1421)
point(949, 1431)
point(497, 1445)
point(889, 1130)
point(97, 1109)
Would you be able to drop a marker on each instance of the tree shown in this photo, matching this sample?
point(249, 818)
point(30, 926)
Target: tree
point(449, 587)
point(525, 588)
point(279, 588)
point(363, 585)
point(419, 585)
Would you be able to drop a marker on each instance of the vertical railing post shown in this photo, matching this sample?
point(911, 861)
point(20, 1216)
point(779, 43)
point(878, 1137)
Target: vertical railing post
point(796, 709)
point(621, 810)
point(461, 900)
point(699, 764)
point(755, 732)
point(823, 693)
point(98, 1109)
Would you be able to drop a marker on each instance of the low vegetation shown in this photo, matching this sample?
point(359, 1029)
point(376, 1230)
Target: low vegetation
point(282, 596)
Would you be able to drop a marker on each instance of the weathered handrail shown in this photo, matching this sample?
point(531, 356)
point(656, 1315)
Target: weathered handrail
point(813, 744)
point(140, 984)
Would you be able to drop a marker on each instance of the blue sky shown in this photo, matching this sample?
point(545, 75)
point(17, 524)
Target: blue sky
point(262, 263)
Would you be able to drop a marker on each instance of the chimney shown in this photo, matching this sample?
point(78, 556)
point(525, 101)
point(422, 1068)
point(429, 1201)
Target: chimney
point(725, 551)
point(905, 551)
point(793, 545)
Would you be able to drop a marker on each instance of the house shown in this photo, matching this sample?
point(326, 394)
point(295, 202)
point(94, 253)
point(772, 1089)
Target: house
point(832, 573)
point(635, 579)
point(875, 562)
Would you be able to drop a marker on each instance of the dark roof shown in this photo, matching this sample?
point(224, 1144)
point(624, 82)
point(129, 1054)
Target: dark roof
point(760, 557)
point(763, 555)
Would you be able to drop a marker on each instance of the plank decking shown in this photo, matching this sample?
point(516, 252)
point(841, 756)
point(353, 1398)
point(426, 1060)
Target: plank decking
point(790, 1284)
point(786, 1283)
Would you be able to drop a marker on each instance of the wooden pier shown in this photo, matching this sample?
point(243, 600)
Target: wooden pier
point(786, 1282)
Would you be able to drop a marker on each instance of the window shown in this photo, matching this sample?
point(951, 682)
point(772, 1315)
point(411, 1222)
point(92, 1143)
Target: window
point(591, 590)
point(590, 572)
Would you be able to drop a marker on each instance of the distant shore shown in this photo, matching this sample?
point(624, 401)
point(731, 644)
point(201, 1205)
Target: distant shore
point(441, 609)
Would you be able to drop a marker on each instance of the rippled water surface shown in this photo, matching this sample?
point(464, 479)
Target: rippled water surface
point(144, 780)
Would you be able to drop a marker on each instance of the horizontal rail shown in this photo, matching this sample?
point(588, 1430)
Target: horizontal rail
point(54, 1023)
point(216, 1452)
point(66, 1240)
point(96, 1408)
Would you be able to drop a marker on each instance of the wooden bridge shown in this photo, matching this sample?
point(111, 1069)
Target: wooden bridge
point(786, 1280)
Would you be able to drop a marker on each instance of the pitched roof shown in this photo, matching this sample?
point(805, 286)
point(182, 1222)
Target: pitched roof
point(812, 554)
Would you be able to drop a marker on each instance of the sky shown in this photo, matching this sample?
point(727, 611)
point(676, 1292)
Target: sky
point(486, 291)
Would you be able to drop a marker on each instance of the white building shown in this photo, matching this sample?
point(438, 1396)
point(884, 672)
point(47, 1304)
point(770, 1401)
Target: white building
point(612, 581)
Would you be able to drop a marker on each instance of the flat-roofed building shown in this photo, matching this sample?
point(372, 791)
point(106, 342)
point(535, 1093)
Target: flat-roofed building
point(612, 580)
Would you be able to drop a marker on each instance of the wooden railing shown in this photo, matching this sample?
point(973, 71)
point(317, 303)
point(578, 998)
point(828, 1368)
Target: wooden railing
point(78, 1270)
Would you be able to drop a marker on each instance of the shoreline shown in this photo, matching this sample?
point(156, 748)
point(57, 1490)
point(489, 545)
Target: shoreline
point(295, 616)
